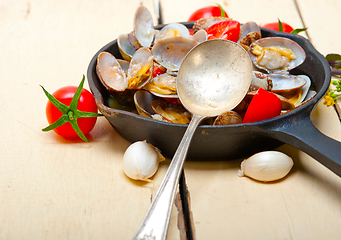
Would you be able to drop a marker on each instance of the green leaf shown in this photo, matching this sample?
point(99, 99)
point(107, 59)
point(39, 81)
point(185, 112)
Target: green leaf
point(298, 30)
point(75, 127)
point(280, 26)
point(333, 57)
point(61, 106)
point(221, 10)
point(62, 120)
point(74, 101)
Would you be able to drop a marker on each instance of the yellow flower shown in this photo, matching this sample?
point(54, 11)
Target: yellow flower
point(328, 100)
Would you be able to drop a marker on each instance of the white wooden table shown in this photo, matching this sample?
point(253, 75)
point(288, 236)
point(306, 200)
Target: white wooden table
point(51, 188)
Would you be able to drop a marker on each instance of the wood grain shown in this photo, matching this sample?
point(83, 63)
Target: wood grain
point(51, 188)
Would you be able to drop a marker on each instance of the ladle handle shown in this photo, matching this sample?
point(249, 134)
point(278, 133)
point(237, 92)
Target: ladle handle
point(155, 224)
point(302, 134)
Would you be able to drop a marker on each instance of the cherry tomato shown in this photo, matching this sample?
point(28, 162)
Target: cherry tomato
point(210, 11)
point(228, 30)
point(263, 105)
point(275, 26)
point(86, 103)
point(158, 71)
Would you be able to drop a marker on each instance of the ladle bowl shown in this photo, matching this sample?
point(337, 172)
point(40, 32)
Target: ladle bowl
point(213, 78)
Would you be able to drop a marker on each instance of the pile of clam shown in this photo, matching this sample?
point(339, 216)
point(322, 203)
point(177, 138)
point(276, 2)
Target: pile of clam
point(146, 52)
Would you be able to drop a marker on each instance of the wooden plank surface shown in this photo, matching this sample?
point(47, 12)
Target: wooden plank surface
point(51, 188)
point(306, 204)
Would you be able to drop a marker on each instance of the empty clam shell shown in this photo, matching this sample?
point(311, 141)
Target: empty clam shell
point(250, 33)
point(144, 26)
point(200, 36)
point(125, 48)
point(110, 72)
point(133, 40)
point(170, 52)
point(143, 101)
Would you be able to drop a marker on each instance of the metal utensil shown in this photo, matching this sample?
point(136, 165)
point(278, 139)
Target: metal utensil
point(213, 78)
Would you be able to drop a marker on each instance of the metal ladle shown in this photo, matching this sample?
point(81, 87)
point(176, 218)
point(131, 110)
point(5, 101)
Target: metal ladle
point(213, 78)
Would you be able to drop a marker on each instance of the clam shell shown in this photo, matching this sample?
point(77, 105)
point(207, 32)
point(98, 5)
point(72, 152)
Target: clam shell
point(228, 118)
point(110, 72)
point(144, 26)
point(260, 80)
point(165, 86)
point(206, 22)
point(125, 48)
point(133, 41)
point(200, 36)
point(143, 101)
point(172, 30)
point(305, 90)
point(286, 84)
point(142, 58)
point(170, 52)
point(171, 112)
point(124, 64)
point(283, 43)
point(250, 33)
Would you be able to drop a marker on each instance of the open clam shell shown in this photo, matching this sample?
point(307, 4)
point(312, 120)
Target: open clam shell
point(273, 60)
point(250, 33)
point(171, 112)
point(140, 69)
point(143, 103)
point(124, 64)
point(289, 86)
point(125, 48)
point(172, 30)
point(200, 36)
point(163, 85)
point(170, 52)
point(110, 72)
point(144, 26)
point(260, 80)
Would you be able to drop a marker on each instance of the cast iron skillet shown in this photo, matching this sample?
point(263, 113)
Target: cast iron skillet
point(211, 143)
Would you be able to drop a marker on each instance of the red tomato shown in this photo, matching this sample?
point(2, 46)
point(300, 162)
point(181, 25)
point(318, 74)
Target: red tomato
point(157, 71)
point(175, 101)
point(211, 11)
point(228, 30)
point(263, 105)
point(190, 31)
point(86, 103)
point(275, 26)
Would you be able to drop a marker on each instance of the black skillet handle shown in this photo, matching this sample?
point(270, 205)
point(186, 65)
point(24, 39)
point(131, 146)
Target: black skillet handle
point(299, 132)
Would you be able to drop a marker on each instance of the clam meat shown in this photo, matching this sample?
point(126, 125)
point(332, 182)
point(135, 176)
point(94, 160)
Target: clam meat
point(163, 85)
point(276, 54)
